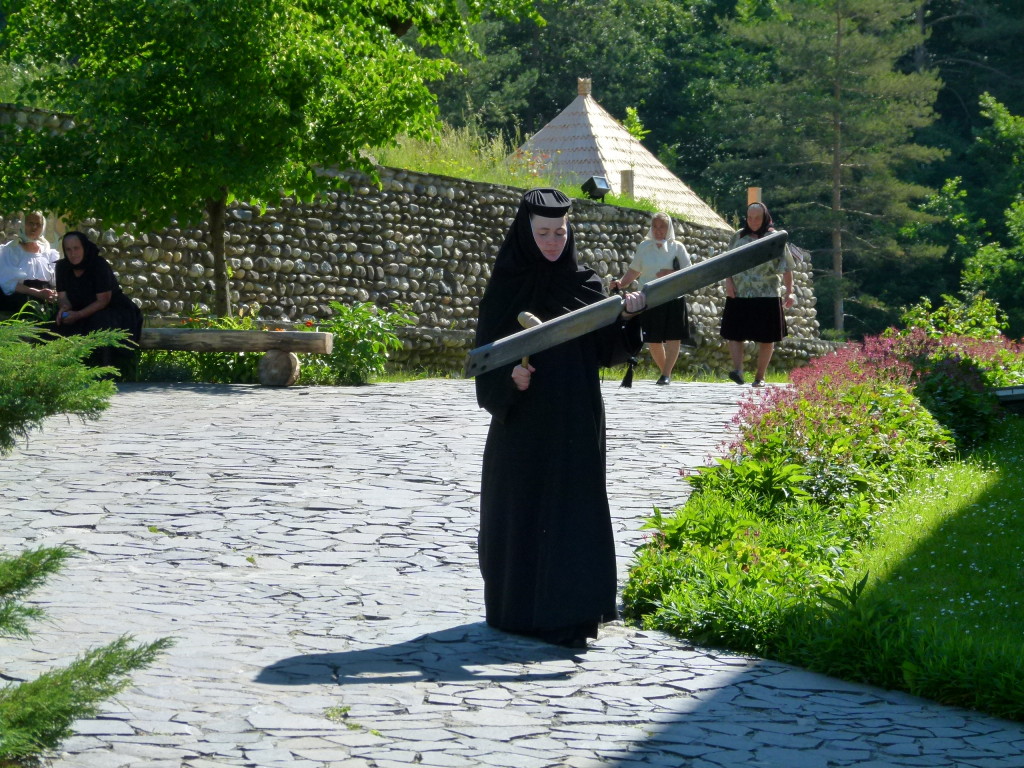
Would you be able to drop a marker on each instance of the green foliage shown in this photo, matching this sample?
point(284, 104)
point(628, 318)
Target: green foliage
point(825, 120)
point(772, 484)
point(35, 716)
point(172, 125)
point(976, 317)
point(19, 576)
point(634, 125)
point(363, 335)
point(767, 554)
point(716, 572)
point(998, 270)
point(41, 376)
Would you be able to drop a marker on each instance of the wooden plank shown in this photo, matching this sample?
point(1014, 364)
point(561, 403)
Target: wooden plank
point(206, 340)
point(604, 312)
point(1011, 398)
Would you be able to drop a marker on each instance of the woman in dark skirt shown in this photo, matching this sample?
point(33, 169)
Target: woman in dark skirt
point(90, 299)
point(753, 304)
point(546, 548)
point(666, 326)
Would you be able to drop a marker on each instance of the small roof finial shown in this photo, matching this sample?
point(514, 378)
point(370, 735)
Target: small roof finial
point(583, 86)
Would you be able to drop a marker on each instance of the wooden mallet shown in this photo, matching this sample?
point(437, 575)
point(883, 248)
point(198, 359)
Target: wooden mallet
point(528, 320)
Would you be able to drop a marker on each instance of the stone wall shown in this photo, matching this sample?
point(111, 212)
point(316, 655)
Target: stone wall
point(427, 241)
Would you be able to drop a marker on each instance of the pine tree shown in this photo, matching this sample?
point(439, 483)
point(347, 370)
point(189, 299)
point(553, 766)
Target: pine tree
point(825, 123)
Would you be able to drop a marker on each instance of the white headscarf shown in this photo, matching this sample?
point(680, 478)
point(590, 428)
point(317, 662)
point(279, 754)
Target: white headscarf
point(670, 235)
point(24, 238)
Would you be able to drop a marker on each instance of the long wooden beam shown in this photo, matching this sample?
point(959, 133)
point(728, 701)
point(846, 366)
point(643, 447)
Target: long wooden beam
point(206, 340)
point(604, 312)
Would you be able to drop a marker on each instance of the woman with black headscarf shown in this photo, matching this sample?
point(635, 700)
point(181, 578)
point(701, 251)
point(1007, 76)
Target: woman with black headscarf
point(753, 307)
point(90, 299)
point(546, 549)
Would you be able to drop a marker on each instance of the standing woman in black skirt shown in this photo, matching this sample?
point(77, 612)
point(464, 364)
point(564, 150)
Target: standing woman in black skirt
point(666, 326)
point(755, 299)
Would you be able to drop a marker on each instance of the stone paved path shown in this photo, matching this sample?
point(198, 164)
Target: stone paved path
point(312, 553)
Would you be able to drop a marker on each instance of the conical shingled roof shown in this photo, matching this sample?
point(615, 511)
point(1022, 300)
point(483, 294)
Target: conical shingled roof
point(583, 140)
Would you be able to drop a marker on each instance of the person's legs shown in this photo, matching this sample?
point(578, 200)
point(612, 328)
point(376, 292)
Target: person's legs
point(671, 354)
point(764, 356)
point(657, 354)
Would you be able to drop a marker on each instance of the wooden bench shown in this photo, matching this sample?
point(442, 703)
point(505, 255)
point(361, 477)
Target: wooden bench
point(279, 366)
point(1011, 398)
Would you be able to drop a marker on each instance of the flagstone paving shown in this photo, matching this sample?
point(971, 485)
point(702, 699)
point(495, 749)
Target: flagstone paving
point(312, 553)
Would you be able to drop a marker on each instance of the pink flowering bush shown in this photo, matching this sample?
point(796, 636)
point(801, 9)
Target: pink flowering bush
point(774, 524)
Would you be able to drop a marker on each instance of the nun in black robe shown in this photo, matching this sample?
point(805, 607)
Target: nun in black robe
point(546, 548)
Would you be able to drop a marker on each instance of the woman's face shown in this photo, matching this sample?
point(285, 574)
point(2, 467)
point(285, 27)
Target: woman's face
point(33, 225)
point(73, 250)
point(755, 217)
point(659, 228)
point(551, 235)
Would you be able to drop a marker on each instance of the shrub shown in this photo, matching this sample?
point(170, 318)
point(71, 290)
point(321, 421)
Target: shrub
point(363, 335)
point(976, 317)
point(758, 559)
point(42, 375)
point(35, 716)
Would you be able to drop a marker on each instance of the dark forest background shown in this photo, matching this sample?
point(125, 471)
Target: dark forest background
point(886, 134)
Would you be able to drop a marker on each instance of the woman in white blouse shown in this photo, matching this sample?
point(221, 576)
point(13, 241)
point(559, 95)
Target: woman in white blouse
point(27, 266)
point(664, 327)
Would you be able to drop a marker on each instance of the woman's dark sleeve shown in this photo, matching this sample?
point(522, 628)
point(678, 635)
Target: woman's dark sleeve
point(497, 393)
point(103, 278)
point(61, 276)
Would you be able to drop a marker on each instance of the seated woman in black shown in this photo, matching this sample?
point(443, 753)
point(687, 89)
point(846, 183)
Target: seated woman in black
point(89, 298)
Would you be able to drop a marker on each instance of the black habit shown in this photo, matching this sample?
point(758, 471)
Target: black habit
point(96, 276)
point(546, 549)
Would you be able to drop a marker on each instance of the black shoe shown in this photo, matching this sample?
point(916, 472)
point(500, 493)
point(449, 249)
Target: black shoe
point(758, 383)
point(736, 376)
point(662, 380)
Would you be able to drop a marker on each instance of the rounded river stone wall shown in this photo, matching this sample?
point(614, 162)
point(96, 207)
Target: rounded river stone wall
point(423, 240)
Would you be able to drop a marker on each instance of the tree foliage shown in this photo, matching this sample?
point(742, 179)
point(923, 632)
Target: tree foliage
point(824, 121)
point(36, 715)
point(181, 106)
point(40, 379)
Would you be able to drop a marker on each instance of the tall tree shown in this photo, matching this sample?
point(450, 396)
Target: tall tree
point(182, 106)
point(825, 122)
point(651, 55)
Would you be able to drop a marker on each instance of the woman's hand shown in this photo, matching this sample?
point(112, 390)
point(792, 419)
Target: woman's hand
point(613, 286)
point(68, 317)
point(46, 294)
point(635, 302)
point(521, 376)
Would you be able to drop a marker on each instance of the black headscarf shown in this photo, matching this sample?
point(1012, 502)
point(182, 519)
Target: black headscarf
point(766, 224)
point(90, 251)
point(524, 280)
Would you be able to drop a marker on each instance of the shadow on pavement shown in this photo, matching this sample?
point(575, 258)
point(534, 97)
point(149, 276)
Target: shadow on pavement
point(466, 652)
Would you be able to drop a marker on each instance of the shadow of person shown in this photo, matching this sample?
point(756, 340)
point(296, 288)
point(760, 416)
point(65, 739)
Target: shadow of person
point(468, 652)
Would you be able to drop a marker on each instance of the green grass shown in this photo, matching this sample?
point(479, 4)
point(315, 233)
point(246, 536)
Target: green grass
point(952, 552)
point(464, 153)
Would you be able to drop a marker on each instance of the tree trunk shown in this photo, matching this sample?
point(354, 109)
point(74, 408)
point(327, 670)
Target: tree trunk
point(215, 210)
point(837, 181)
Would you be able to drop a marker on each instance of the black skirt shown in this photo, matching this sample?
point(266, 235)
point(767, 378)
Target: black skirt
point(756, 319)
point(666, 323)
